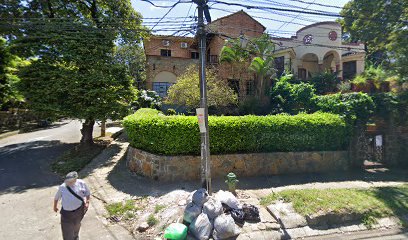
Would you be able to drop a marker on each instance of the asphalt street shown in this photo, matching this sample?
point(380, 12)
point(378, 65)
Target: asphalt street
point(27, 186)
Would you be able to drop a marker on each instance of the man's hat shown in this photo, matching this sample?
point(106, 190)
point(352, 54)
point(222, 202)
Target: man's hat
point(71, 175)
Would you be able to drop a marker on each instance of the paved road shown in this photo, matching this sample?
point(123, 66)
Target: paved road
point(27, 185)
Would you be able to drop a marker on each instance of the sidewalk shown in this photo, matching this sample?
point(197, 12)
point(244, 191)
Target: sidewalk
point(110, 182)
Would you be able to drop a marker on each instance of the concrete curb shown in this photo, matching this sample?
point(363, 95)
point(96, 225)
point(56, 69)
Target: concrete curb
point(383, 234)
point(9, 134)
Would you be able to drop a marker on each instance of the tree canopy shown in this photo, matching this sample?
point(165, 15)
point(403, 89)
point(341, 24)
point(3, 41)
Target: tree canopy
point(75, 72)
point(382, 26)
point(9, 96)
point(186, 92)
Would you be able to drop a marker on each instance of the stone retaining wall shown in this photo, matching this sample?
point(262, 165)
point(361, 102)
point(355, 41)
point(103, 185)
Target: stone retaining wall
point(172, 168)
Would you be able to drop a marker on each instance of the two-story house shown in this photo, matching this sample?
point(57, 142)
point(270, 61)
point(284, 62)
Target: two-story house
point(315, 48)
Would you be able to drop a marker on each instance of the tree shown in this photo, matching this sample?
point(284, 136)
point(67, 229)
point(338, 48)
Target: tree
point(133, 57)
point(9, 63)
point(186, 92)
point(381, 25)
point(76, 74)
point(259, 53)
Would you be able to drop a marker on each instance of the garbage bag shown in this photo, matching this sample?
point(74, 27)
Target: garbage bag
point(201, 228)
point(200, 197)
point(191, 212)
point(228, 199)
point(251, 213)
point(176, 231)
point(213, 208)
point(224, 227)
point(238, 215)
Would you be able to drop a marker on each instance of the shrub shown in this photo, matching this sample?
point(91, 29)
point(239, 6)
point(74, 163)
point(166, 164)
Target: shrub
point(146, 99)
point(355, 106)
point(344, 87)
point(171, 111)
point(386, 104)
point(373, 79)
point(292, 98)
point(325, 82)
point(175, 135)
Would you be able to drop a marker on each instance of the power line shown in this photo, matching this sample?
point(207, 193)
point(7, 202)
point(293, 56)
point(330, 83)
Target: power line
point(171, 8)
point(294, 17)
point(277, 9)
point(188, 13)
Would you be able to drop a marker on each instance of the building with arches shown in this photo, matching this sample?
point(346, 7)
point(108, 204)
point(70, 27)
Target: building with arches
point(314, 49)
point(317, 48)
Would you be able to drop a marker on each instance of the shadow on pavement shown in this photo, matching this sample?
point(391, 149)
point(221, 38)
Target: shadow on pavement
point(36, 128)
point(27, 165)
point(125, 181)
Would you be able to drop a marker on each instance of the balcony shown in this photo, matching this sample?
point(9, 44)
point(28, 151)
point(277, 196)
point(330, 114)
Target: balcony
point(212, 60)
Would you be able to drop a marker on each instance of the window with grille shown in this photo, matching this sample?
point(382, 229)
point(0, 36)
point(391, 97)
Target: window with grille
point(302, 73)
point(250, 88)
point(161, 88)
point(234, 85)
point(165, 53)
point(349, 69)
point(195, 55)
point(279, 66)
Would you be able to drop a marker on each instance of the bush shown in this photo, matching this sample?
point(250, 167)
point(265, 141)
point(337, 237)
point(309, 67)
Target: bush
point(325, 82)
point(386, 104)
point(354, 106)
point(171, 111)
point(146, 99)
point(292, 98)
point(175, 135)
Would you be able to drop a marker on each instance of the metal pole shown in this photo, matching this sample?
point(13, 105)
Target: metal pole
point(205, 139)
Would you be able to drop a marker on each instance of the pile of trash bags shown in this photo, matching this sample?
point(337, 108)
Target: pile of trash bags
point(216, 216)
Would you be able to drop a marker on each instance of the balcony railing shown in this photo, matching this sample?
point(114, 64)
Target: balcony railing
point(212, 59)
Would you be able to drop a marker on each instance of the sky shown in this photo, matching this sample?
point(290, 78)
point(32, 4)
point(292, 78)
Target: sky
point(283, 24)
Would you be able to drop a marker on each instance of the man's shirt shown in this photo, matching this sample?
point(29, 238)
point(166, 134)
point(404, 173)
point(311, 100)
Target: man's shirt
point(69, 201)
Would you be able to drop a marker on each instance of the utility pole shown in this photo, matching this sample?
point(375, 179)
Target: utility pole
point(204, 131)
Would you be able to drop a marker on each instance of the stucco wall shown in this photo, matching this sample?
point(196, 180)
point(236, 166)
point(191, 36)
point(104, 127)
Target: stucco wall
point(158, 64)
point(173, 168)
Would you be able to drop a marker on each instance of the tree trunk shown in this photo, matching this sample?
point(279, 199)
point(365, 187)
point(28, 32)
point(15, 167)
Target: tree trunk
point(87, 131)
point(103, 128)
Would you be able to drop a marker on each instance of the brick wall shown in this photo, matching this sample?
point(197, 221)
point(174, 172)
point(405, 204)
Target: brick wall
point(232, 25)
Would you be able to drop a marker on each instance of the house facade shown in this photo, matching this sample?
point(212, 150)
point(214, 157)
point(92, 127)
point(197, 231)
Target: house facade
point(315, 48)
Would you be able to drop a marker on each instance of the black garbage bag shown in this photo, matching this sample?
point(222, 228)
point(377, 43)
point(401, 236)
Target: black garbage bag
point(238, 215)
point(251, 213)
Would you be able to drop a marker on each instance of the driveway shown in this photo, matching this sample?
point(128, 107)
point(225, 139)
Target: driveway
point(27, 186)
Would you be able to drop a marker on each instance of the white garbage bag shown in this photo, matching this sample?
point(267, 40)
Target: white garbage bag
point(191, 212)
point(228, 199)
point(200, 197)
point(201, 227)
point(224, 227)
point(213, 208)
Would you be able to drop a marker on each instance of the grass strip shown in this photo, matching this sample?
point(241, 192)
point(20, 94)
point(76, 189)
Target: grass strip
point(372, 203)
point(77, 158)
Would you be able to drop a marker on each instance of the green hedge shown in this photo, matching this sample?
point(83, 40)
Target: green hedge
point(151, 131)
point(354, 106)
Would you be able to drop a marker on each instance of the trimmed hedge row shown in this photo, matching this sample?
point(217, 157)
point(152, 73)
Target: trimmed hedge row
point(151, 131)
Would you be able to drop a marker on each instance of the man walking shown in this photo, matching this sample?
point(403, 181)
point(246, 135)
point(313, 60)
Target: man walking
point(74, 195)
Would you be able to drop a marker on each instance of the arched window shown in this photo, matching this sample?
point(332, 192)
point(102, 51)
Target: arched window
point(162, 82)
